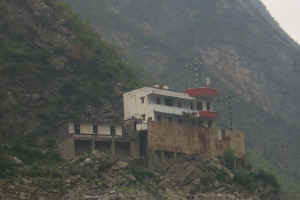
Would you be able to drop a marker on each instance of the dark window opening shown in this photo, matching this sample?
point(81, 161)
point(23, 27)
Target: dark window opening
point(77, 129)
point(200, 123)
point(142, 100)
point(179, 104)
point(158, 117)
point(144, 117)
point(124, 132)
point(192, 106)
point(199, 106)
point(208, 106)
point(95, 129)
point(112, 131)
point(169, 102)
point(170, 119)
point(210, 124)
point(157, 100)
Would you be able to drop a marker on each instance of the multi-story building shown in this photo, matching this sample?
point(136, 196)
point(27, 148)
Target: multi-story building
point(162, 104)
point(158, 121)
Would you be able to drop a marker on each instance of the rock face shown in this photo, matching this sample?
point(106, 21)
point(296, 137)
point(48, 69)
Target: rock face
point(236, 43)
point(105, 178)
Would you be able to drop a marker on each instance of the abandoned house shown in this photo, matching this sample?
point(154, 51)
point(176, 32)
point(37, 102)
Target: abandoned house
point(157, 121)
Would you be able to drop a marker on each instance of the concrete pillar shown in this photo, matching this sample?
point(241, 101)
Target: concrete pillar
point(162, 156)
point(134, 149)
point(175, 155)
point(93, 144)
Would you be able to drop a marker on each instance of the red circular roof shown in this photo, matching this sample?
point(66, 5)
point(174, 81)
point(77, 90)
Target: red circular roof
point(197, 92)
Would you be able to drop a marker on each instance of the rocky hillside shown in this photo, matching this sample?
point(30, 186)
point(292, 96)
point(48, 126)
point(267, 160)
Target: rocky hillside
point(236, 43)
point(100, 177)
point(54, 68)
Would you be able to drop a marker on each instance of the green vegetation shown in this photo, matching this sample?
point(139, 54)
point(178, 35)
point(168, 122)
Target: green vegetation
point(7, 165)
point(229, 159)
point(252, 179)
point(141, 174)
point(55, 68)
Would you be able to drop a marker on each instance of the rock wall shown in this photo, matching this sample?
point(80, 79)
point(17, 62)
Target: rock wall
point(189, 139)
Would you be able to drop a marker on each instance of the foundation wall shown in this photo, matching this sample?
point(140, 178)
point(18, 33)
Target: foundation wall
point(189, 139)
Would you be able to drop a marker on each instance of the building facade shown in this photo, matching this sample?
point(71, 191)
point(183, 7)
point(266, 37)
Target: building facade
point(157, 121)
point(162, 104)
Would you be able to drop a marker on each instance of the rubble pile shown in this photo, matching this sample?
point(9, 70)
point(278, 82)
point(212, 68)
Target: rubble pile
point(101, 177)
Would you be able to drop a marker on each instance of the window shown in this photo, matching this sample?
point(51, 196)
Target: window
point(192, 106)
point(112, 131)
point(208, 106)
point(170, 119)
point(209, 123)
point(124, 132)
point(144, 117)
point(179, 104)
point(169, 102)
point(157, 100)
point(77, 129)
point(142, 100)
point(158, 117)
point(199, 106)
point(95, 129)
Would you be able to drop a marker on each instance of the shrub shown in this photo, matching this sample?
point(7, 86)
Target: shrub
point(244, 178)
point(141, 174)
point(268, 178)
point(221, 175)
point(229, 159)
point(7, 166)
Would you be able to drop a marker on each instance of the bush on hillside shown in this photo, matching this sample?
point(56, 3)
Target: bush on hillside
point(268, 178)
point(229, 159)
point(7, 165)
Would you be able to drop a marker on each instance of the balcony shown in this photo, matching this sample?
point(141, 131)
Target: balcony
point(208, 114)
point(201, 92)
point(90, 137)
point(171, 110)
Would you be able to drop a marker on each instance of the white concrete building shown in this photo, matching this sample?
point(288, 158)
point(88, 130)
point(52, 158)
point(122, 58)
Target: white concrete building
point(154, 103)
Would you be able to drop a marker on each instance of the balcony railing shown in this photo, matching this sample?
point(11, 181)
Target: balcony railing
point(171, 110)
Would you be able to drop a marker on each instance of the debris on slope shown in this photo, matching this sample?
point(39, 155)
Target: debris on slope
point(100, 176)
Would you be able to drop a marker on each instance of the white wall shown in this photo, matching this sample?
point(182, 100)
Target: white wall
point(133, 106)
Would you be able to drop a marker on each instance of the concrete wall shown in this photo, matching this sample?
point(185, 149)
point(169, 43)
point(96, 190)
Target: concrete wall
point(65, 143)
point(189, 139)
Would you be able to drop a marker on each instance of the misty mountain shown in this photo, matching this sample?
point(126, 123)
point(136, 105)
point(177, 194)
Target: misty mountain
point(236, 43)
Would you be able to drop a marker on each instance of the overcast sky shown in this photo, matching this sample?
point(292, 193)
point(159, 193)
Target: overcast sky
point(287, 13)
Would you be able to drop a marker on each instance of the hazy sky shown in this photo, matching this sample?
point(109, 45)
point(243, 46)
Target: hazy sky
point(287, 13)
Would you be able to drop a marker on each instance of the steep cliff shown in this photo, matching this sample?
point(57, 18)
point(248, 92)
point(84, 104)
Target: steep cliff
point(236, 43)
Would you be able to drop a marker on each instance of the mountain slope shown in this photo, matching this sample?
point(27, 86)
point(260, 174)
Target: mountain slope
point(236, 43)
point(54, 68)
